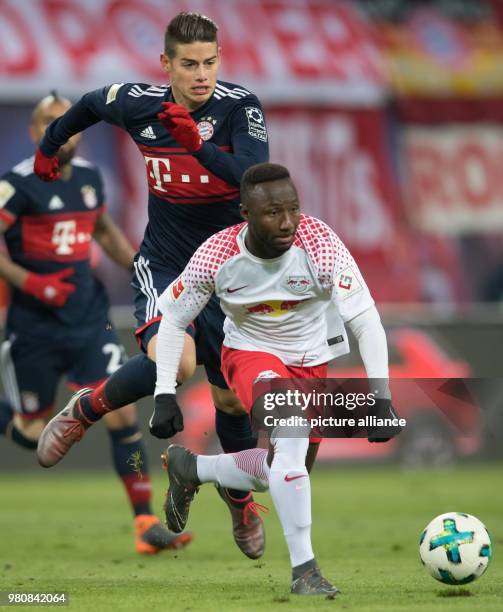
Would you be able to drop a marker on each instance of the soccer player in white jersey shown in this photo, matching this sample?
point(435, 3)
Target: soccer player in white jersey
point(276, 276)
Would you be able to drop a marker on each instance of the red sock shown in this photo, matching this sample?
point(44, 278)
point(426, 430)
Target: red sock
point(139, 492)
point(94, 405)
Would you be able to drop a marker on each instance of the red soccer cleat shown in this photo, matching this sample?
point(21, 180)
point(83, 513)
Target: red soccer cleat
point(247, 526)
point(62, 431)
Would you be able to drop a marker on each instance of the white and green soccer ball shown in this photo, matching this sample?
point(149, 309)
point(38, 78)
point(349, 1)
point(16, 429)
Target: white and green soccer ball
point(455, 548)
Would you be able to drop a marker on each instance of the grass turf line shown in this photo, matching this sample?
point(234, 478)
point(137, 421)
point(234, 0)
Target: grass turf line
point(73, 532)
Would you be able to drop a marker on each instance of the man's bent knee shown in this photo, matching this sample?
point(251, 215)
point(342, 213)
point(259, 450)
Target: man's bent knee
point(226, 401)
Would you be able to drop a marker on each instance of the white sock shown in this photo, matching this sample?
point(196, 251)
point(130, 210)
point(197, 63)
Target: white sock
point(243, 471)
point(291, 493)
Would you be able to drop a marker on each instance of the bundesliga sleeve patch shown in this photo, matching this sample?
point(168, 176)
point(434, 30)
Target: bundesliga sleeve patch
point(347, 284)
point(256, 123)
point(6, 192)
point(177, 288)
point(113, 91)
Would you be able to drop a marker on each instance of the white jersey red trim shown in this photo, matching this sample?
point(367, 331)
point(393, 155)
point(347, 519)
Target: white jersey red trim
point(293, 306)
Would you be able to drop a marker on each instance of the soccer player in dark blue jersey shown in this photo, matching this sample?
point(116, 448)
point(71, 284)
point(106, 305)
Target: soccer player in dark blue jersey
point(197, 136)
point(58, 320)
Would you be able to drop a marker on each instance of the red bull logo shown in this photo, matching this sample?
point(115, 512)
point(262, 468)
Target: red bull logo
point(273, 308)
point(299, 284)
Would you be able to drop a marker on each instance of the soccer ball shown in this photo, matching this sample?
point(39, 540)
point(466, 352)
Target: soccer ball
point(455, 548)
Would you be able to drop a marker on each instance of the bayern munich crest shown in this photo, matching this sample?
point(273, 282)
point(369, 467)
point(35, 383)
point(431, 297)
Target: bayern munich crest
point(89, 196)
point(206, 127)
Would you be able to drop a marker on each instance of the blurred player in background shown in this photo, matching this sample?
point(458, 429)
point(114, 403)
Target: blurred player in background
point(58, 320)
point(272, 330)
point(197, 135)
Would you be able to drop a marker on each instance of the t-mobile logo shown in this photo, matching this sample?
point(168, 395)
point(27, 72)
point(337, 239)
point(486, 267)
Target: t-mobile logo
point(161, 171)
point(63, 236)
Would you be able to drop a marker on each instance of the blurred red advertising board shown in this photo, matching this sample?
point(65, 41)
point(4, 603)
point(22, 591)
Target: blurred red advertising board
point(454, 183)
point(316, 50)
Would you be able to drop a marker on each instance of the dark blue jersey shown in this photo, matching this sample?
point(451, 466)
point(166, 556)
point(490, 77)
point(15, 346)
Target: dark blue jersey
point(191, 196)
point(50, 228)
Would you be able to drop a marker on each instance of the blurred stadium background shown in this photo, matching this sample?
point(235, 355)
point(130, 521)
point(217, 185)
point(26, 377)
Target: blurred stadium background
point(389, 114)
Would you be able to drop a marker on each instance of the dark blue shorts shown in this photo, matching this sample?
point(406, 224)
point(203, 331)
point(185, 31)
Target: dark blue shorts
point(150, 279)
point(33, 366)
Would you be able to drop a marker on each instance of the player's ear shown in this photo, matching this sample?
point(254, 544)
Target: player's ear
point(243, 209)
point(165, 63)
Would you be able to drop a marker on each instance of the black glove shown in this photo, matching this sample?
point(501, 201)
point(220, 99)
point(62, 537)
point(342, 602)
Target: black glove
point(382, 409)
point(167, 419)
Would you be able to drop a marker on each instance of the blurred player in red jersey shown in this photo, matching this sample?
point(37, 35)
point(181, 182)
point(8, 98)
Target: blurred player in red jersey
point(298, 267)
point(58, 319)
point(197, 136)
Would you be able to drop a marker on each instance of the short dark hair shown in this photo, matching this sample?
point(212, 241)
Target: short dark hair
point(261, 173)
point(188, 28)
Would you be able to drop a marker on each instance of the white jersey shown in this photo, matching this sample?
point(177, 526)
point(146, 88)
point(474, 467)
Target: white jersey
point(292, 306)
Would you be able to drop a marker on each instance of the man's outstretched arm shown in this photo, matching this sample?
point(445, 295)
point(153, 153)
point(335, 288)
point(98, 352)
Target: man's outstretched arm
point(358, 311)
point(369, 332)
point(180, 304)
point(76, 119)
point(249, 146)
point(105, 104)
point(371, 337)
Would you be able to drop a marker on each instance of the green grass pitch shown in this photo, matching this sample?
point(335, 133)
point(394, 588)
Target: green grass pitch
point(72, 531)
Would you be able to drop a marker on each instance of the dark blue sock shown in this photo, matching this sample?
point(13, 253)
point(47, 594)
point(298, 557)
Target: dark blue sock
point(235, 434)
point(9, 429)
point(130, 462)
point(132, 381)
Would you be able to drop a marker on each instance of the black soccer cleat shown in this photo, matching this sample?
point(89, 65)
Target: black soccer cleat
point(181, 465)
point(311, 582)
point(152, 537)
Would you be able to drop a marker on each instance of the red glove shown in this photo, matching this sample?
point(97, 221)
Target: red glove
point(181, 126)
point(46, 168)
point(49, 288)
